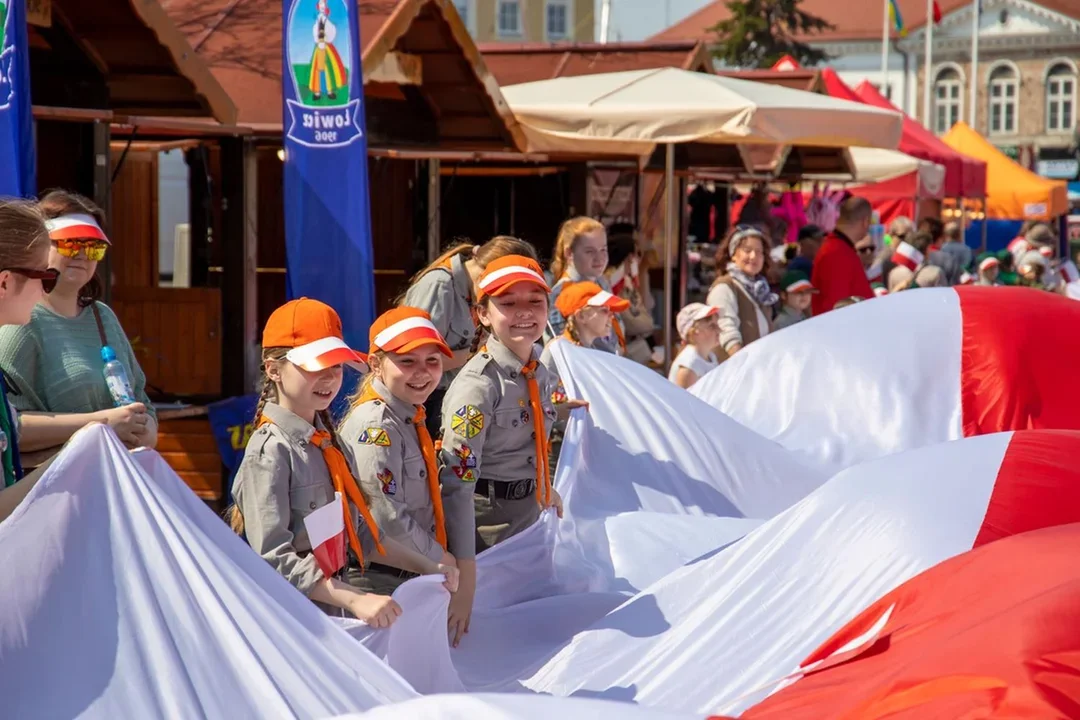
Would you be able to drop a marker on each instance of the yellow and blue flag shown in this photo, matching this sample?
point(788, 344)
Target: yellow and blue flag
point(897, 19)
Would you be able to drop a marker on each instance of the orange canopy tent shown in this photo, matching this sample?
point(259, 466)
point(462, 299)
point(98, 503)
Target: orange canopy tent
point(1012, 192)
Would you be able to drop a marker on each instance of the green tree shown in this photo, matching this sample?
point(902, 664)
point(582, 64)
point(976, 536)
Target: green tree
point(760, 32)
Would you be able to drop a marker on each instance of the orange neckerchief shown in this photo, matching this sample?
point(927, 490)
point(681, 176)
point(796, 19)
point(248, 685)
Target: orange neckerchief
point(543, 472)
point(427, 449)
point(344, 483)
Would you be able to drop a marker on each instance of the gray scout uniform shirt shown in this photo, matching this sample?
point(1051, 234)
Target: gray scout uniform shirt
point(391, 470)
point(487, 432)
point(447, 296)
point(282, 479)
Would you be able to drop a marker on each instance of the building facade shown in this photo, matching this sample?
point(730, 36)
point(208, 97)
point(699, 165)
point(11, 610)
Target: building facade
point(528, 21)
point(1026, 82)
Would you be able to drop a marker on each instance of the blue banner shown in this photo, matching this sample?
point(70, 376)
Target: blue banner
point(232, 422)
point(327, 210)
point(17, 156)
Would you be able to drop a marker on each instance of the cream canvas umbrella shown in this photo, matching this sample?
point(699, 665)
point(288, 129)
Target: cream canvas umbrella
point(874, 165)
point(633, 112)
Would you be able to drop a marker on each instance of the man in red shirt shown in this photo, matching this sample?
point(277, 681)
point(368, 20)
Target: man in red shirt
point(838, 271)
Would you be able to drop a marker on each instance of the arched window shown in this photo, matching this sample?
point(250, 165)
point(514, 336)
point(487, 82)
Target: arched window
point(948, 102)
point(1061, 98)
point(1004, 92)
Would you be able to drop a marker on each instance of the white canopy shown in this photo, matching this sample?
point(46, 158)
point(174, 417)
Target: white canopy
point(630, 112)
point(874, 165)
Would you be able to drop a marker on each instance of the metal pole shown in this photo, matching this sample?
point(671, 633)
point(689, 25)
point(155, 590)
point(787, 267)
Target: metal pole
point(976, 8)
point(927, 80)
point(669, 239)
point(885, 51)
point(605, 20)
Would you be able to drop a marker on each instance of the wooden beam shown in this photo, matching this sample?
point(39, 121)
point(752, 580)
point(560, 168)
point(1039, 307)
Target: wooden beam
point(102, 194)
point(434, 210)
point(251, 261)
point(234, 291)
point(398, 68)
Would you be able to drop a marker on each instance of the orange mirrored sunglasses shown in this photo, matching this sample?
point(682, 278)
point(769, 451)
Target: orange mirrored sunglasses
point(95, 249)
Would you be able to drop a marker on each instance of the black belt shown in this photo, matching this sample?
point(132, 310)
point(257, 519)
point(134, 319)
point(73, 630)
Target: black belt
point(392, 571)
point(513, 490)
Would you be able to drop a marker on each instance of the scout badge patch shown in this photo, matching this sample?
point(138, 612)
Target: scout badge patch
point(375, 436)
point(466, 467)
point(467, 422)
point(389, 484)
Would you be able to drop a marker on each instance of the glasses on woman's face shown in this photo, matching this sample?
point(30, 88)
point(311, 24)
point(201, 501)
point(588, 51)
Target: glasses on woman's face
point(48, 276)
point(95, 249)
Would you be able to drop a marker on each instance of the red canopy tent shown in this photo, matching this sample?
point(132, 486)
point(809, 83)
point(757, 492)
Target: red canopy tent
point(898, 196)
point(964, 176)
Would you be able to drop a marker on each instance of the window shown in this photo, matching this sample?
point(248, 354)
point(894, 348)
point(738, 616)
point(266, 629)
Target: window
point(1060, 99)
point(557, 20)
point(1004, 88)
point(947, 100)
point(509, 18)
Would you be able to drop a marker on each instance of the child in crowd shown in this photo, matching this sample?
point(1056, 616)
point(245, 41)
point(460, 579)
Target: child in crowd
point(795, 295)
point(496, 418)
point(386, 432)
point(581, 253)
point(1007, 268)
point(293, 465)
point(988, 265)
point(698, 327)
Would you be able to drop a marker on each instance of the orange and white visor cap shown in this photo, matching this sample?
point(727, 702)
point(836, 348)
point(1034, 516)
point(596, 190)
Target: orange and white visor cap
point(77, 226)
point(404, 329)
point(503, 273)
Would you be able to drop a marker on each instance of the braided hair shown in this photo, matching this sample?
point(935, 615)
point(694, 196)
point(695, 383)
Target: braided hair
point(267, 393)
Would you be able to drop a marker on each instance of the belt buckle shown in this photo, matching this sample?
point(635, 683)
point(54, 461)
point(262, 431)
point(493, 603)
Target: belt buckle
point(520, 489)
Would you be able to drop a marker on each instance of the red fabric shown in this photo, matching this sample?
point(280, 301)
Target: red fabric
point(838, 274)
point(892, 198)
point(990, 633)
point(1038, 485)
point(937, 13)
point(1018, 360)
point(964, 176)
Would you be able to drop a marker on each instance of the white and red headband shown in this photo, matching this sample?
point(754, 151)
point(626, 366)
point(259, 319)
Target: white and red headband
point(77, 226)
point(492, 282)
point(908, 256)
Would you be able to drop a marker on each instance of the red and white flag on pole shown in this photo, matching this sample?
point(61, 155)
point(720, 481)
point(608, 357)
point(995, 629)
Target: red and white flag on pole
point(326, 531)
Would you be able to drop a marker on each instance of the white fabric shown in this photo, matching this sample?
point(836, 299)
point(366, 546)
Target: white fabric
point(691, 359)
point(723, 297)
point(632, 111)
point(124, 596)
point(878, 378)
point(326, 523)
point(514, 707)
point(651, 479)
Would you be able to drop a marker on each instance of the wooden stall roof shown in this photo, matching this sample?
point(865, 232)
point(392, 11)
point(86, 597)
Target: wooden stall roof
point(409, 47)
point(512, 64)
point(808, 80)
point(145, 59)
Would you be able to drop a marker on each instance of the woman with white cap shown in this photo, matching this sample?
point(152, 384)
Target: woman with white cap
point(57, 393)
point(699, 330)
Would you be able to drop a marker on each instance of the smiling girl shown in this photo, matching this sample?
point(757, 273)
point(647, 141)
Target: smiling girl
point(293, 465)
point(496, 419)
point(390, 442)
point(581, 253)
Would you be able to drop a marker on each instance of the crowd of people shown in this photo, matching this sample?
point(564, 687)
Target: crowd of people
point(450, 440)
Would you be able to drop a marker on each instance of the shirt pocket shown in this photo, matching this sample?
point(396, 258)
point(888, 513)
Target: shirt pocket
point(414, 491)
point(514, 419)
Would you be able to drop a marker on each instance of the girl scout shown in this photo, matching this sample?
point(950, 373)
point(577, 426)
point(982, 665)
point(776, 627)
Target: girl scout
point(581, 253)
point(445, 290)
point(390, 443)
point(588, 310)
point(496, 418)
point(293, 465)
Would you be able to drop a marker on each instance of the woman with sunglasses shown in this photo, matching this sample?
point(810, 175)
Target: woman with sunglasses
point(54, 363)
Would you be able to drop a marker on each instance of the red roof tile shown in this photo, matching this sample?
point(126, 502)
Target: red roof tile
point(859, 20)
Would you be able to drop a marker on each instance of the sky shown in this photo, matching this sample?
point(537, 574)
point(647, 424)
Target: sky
point(638, 19)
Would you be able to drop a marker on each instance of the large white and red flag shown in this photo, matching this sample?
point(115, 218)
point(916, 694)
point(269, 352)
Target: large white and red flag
point(905, 371)
point(326, 532)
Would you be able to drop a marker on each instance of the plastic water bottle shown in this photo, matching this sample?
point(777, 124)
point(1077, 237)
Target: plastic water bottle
point(116, 378)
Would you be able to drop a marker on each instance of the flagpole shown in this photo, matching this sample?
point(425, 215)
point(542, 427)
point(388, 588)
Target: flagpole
point(885, 51)
point(976, 7)
point(927, 80)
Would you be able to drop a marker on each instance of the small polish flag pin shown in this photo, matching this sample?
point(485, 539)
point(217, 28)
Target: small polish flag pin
point(787, 64)
point(326, 531)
